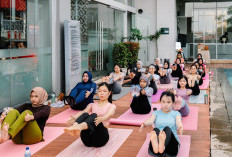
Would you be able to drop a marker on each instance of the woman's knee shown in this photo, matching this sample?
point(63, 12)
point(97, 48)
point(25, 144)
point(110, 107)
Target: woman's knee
point(14, 111)
point(26, 111)
point(94, 115)
point(167, 129)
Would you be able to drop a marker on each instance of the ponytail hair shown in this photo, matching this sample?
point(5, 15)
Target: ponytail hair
point(109, 87)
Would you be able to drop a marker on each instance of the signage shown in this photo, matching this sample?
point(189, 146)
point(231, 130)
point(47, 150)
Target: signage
point(72, 54)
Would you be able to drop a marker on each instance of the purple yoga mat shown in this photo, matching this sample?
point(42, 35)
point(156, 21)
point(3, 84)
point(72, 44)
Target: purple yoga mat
point(155, 98)
point(129, 118)
point(185, 141)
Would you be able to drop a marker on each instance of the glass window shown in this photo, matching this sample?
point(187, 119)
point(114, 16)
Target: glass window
point(25, 49)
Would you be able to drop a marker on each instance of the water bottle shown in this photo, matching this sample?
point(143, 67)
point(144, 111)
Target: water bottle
point(206, 98)
point(53, 98)
point(27, 152)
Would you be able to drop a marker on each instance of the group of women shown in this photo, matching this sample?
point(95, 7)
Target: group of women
point(25, 124)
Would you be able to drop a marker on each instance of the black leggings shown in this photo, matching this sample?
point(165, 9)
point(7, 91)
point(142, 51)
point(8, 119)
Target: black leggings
point(195, 89)
point(135, 80)
point(140, 105)
point(171, 144)
point(94, 136)
point(153, 86)
point(72, 103)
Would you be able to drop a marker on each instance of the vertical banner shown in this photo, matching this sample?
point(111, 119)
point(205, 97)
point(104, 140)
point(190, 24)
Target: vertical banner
point(72, 54)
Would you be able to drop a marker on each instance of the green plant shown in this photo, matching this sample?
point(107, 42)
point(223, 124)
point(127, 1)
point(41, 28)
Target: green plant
point(155, 36)
point(125, 53)
point(135, 34)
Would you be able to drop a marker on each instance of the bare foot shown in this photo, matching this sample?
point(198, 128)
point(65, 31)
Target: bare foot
point(162, 138)
point(73, 130)
point(4, 133)
point(154, 142)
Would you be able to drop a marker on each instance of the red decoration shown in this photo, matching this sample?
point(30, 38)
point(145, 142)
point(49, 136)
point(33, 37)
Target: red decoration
point(20, 5)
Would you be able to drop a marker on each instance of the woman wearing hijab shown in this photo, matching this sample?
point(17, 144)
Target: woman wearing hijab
point(25, 124)
point(82, 94)
point(136, 73)
point(141, 103)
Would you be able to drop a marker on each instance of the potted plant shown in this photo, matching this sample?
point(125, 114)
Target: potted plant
point(125, 53)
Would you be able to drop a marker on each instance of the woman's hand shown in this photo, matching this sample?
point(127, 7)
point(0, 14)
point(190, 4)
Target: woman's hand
point(28, 117)
point(87, 94)
point(181, 130)
point(141, 127)
point(71, 121)
point(143, 92)
point(98, 120)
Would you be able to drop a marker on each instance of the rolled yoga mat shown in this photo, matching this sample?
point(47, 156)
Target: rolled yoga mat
point(129, 118)
point(62, 117)
point(9, 149)
point(185, 141)
point(78, 149)
point(190, 122)
point(155, 98)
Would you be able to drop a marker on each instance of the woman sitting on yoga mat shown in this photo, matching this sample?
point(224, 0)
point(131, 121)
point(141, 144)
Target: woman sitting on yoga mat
point(141, 103)
point(199, 55)
point(193, 80)
point(136, 73)
point(165, 74)
point(152, 77)
point(115, 79)
point(158, 65)
point(201, 71)
point(91, 122)
point(82, 94)
point(176, 69)
point(182, 91)
point(25, 124)
point(201, 62)
point(164, 138)
point(179, 56)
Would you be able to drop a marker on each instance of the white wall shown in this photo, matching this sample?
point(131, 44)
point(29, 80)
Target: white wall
point(146, 21)
point(166, 17)
point(61, 11)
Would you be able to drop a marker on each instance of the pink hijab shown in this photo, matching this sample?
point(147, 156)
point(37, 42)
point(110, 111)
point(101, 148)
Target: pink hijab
point(42, 94)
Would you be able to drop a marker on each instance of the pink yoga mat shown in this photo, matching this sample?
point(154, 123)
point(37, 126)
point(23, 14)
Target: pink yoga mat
point(190, 122)
point(129, 118)
point(185, 141)
point(9, 149)
point(78, 149)
point(206, 77)
point(205, 84)
point(62, 117)
point(165, 86)
point(155, 98)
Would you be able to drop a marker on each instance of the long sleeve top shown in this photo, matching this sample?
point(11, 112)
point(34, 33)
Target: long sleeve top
point(40, 114)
